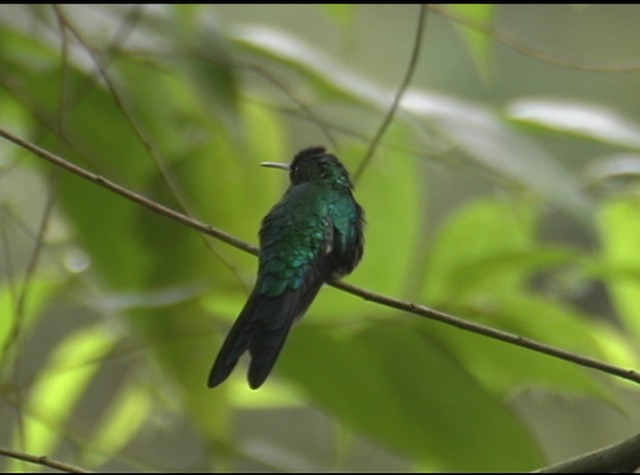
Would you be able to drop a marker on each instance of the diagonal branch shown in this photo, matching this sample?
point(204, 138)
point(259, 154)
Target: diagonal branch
point(130, 195)
point(622, 457)
point(529, 51)
point(490, 332)
point(409, 307)
point(102, 68)
point(41, 460)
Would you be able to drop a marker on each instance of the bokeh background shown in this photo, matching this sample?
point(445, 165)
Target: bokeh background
point(504, 191)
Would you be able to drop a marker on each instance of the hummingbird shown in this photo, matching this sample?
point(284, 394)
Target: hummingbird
point(313, 234)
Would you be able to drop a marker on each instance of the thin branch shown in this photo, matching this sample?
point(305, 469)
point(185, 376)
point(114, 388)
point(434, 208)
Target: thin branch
point(130, 195)
point(416, 309)
point(490, 332)
point(16, 329)
point(623, 457)
point(529, 51)
point(42, 460)
point(287, 90)
point(413, 62)
point(120, 102)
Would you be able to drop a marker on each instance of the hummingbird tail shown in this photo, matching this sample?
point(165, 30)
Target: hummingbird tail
point(267, 342)
point(271, 332)
point(236, 343)
point(262, 328)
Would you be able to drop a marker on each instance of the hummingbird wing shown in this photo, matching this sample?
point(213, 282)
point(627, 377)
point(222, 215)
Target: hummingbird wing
point(295, 261)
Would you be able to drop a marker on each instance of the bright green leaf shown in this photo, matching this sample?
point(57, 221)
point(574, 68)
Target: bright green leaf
point(54, 396)
point(619, 225)
point(473, 244)
point(39, 290)
point(128, 411)
point(341, 13)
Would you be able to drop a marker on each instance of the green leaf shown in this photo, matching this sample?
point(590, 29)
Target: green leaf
point(40, 289)
point(216, 82)
point(617, 174)
point(59, 387)
point(488, 140)
point(478, 240)
point(126, 415)
point(476, 130)
point(341, 13)
point(583, 119)
point(488, 278)
point(389, 383)
point(619, 225)
point(501, 367)
point(324, 77)
point(479, 43)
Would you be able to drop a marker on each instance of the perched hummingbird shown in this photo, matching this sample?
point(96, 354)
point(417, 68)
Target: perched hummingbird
point(313, 234)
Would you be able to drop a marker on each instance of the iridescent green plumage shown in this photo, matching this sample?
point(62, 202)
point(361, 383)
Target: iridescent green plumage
point(313, 233)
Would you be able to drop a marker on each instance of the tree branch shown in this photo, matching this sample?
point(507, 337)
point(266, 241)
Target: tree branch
point(490, 332)
point(41, 460)
point(130, 195)
point(416, 309)
point(623, 457)
point(526, 50)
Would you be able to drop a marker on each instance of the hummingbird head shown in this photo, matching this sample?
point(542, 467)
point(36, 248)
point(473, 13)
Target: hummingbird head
point(315, 164)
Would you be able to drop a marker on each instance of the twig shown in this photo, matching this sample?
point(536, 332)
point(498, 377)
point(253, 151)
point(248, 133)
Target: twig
point(130, 195)
point(413, 62)
point(409, 307)
point(42, 460)
point(529, 51)
point(494, 333)
point(101, 67)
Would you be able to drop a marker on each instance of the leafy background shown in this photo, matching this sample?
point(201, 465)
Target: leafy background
point(504, 192)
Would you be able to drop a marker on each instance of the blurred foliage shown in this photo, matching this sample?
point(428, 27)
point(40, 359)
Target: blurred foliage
point(110, 320)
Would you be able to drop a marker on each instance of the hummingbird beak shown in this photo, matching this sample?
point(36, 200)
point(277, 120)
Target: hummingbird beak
point(283, 166)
